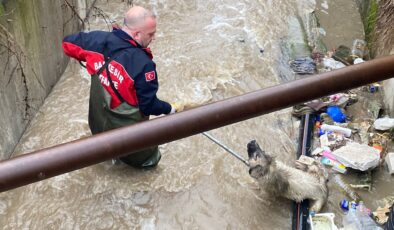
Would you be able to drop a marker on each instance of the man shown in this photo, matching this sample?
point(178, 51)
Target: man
point(128, 96)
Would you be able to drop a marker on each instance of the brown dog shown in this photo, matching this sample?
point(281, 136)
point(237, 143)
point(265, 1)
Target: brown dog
point(291, 183)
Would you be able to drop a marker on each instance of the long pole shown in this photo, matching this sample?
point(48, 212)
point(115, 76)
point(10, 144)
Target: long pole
point(49, 162)
point(232, 152)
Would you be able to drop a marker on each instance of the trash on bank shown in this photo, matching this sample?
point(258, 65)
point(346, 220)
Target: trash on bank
point(316, 104)
point(331, 141)
point(340, 99)
point(389, 159)
point(362, 129)
point(336, 114)
point(301, 109)
point(305, 160)
point(304, 65)
point(358, 49)
point(322, 221)
point(380, 215)
point(384, 123)
point(375, 109)
point(345, 188)
point(317, 152)
point(342, 54)
point(364, 181)
point(359, 219)
point(380, 141)
point(364, 186)
point(334, 164)
point(345, 131)
point(358, 61)
point(346, 205)
point(373, 88)
point(358, 156)
point(339, 130)
point(331, 64)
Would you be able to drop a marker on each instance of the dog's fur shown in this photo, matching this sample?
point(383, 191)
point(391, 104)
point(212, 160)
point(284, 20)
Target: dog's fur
point(304, 182)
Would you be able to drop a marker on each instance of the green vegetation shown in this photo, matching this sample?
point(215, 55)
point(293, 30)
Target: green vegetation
point(1, 9)
point(370, 25)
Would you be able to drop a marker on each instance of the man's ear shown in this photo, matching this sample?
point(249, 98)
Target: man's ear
point(135, 35)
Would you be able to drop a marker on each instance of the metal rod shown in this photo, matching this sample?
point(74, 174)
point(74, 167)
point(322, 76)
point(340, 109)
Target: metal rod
point(239, 157)
point(53, 161)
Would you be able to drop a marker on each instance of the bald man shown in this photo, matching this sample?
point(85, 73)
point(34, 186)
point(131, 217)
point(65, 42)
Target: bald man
point(128, 95)
point(140, 24)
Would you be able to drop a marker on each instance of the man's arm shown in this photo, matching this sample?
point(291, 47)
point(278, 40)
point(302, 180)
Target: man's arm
point(77, 45)
point(146, 86)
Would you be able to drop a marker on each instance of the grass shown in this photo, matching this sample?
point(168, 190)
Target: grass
point(370, 25)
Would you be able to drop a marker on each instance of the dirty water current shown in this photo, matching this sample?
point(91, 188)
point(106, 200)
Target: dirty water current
point(205, 51)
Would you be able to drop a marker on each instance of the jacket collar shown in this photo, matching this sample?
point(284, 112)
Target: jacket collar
point(123, 35)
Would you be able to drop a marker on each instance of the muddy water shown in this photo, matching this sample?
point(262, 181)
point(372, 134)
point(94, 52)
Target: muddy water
point(205, 51)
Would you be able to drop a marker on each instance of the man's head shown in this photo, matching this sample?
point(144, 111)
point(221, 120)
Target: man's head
point(140, 24)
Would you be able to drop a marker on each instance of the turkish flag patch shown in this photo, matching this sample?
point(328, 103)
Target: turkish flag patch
point(149, 76)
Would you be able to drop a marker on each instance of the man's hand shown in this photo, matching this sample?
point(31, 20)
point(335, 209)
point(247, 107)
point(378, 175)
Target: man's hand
point(176, 107)
point(180, 106)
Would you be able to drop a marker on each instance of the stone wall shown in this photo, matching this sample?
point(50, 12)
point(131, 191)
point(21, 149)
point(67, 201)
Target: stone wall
point(31, 60)
point(384, 45)
point(378, 20)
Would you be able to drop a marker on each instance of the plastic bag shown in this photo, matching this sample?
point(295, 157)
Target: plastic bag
point(384, 123)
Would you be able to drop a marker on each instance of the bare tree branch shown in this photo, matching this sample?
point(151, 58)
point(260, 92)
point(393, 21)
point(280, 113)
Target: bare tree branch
point(75, 12)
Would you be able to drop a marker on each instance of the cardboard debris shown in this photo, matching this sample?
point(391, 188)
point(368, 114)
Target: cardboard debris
point(358, 156)
point(380, 214)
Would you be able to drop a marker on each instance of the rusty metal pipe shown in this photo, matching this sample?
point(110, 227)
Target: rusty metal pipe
point(49, 162)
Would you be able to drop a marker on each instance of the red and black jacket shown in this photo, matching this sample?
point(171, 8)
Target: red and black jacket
point(132, 71)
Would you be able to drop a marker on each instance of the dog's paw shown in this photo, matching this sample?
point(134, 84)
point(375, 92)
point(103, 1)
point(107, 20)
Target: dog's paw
point(317, 205)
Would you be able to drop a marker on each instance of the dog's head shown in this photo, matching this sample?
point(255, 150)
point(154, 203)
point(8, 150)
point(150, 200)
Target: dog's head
point(259, 161)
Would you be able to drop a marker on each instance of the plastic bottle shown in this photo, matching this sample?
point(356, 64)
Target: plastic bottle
point(372, 88)
point(345, 205)
point(358, 49)
point(362, 209)
point(351, 221)
point(359, 219)
point(345, 131)
point(346, 188)
point(366, 222)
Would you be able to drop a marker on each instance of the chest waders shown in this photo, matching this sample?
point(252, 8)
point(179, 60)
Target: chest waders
point(103, 118)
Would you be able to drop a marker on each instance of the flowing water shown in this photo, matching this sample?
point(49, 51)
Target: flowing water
point(205, 51)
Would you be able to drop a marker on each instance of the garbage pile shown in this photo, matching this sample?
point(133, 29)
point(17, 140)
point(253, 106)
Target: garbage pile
point(347, 142)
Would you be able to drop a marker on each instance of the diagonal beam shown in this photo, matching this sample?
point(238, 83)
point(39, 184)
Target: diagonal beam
point(53, 161)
